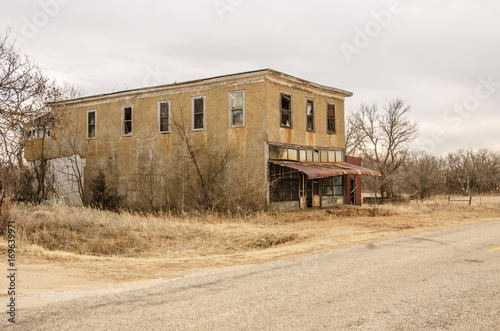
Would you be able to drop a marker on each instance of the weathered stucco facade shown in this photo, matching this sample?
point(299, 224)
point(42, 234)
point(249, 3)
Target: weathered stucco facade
point(134, 135)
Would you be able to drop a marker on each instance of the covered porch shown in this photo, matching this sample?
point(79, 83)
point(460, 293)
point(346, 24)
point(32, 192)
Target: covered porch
point(302, 185)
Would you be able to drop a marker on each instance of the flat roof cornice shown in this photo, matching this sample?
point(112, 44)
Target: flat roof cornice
point(215, 79)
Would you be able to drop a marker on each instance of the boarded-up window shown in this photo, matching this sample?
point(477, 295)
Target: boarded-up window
point(310, 115)
point(303, 155)
point(199, 113)
point(330, 118)
point(324, 156)
point(127, 120)
point(164, 116)
point(339, 156)
point(236, 108)
point(293, 154)
point(286, 111)
point(331, 156)
point(91, 124)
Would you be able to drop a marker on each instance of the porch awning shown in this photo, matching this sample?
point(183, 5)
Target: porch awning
point(323, 170)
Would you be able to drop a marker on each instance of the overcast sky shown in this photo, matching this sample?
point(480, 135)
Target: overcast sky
point(441, 57)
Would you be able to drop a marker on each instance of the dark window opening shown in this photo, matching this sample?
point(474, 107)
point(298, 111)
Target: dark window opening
point(338, 187)
point(199, 113)
point(164, 117)
point(310, 116)
point(330, 118)
point(286, 111)
point(285, 190)
point(284, 183)
point(127, 120)
point(91, 123)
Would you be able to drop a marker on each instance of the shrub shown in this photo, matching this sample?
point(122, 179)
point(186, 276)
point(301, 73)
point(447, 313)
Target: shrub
point(104, 196)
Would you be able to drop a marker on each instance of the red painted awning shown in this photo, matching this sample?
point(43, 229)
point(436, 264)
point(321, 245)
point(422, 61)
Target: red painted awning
point(324, 170)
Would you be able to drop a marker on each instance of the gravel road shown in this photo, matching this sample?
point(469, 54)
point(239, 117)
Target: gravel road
point(441, 280)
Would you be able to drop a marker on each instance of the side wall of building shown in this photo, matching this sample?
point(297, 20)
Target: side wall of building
point(149, 163)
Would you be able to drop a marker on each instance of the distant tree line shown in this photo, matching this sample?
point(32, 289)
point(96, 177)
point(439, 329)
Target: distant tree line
point(382, 139)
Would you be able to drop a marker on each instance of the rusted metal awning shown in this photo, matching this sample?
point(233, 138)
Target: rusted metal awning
point(324, 170)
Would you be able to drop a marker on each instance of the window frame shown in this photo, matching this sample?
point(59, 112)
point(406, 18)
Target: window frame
point(310, 116)
point(131, 133)
point(328, 118)
point(337, 185)
point(160, 103)
point(231, 110)
point(193, 98)
point(95, 123)
point(283, 94)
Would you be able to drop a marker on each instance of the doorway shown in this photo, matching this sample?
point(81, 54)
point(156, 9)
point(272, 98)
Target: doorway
point(353, 188)
point(312, 189)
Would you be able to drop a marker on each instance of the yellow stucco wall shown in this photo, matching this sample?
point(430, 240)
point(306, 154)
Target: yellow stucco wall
point(128, 158)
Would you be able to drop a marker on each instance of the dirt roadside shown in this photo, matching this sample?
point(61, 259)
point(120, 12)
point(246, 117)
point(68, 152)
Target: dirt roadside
point(60, 273)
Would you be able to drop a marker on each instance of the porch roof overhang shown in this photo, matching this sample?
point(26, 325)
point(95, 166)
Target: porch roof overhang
point(315, 170)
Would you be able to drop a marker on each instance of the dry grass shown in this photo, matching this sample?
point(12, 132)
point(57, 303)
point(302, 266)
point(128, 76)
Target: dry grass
point(105, 245)
point(91, 232)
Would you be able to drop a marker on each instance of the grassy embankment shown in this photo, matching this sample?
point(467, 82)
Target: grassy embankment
point(72, 233)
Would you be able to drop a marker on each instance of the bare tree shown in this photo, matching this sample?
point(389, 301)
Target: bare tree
point(28, 110)
point(469, 171)
point(205, 166)
point(422, 174)
point(24, 90)
point(381, 139)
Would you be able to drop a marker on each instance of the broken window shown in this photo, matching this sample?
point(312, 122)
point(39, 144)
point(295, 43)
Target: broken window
point(199, 113)
point(316, 156)
point(327, 187)
point(91, 124)
point(236, 108)
point(164, 116)
point(286, 111)
point(285, 190)
point(127, 121)
point(310, 116)
point(284, 183)
point(330, 118)
point(38, 133)
point(32, 134)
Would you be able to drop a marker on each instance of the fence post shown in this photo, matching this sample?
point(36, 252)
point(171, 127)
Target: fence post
point(470, 201)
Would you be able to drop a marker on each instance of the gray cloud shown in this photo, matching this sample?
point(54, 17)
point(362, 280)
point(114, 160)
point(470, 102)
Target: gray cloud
point(431, 54)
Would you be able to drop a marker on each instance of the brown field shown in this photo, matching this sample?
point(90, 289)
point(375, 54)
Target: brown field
point(79, 248)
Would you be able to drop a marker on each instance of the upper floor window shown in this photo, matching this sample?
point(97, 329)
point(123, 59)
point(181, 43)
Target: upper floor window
point(310, 115)
point(237, 108)
point(164, 116)
point(199, 120)
point(38, 133)
point(330, 118)
point(127, 118)
point(91, 124)
point(286, 111)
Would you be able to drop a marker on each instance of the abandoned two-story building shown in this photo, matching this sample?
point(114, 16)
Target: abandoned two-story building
point(287, 137)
